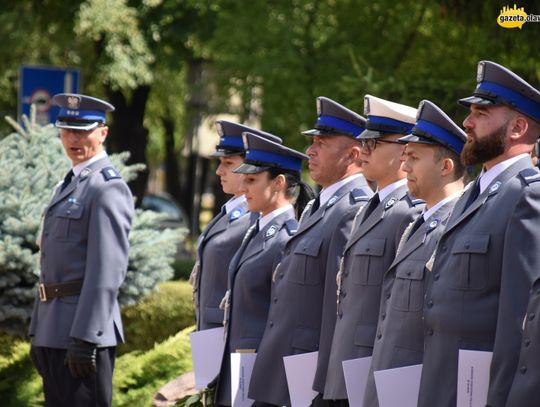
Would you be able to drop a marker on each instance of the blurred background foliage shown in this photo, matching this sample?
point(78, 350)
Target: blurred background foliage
point(169, 64)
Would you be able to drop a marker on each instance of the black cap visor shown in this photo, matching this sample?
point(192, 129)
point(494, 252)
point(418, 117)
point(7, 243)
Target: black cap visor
point(222, 152)
point(249, 168)
point(81, 125)
point(414, 138)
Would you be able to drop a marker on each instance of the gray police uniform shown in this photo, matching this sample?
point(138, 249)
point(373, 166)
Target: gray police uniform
point(485, 262)
point(250, 281)
point(84, 237)
point(400, 338)
point(369, 251)
point(221, 238)
point(310, 262)
point(217, 245)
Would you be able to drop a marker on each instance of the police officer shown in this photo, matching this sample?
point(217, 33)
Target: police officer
point(488, 255)
point(223, 235)
point(271, 184)
point(303, 295)
point(434, 174)
point(372, 245)
point(76, 321)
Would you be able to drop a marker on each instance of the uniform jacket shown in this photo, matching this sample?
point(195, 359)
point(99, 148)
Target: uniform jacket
point(85, 236)
point(310, 261)
point(400, 336)
point(370, 250)
point(525, 390)
point(250, 280)
point(217, 245)
point(484, 264)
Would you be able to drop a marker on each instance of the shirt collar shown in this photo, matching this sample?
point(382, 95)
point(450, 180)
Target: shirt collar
point(387, 190)
point(233, 203)
point(326, 193)
point(266, 219)
point(77, 169)
point(487, 177)
point(427, 214)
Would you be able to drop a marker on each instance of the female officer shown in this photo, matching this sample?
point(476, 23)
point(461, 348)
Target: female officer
point(223, 235)
point(271, 184)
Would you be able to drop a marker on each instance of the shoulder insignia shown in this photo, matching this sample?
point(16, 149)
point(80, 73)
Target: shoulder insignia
point(390, 203)
point(359, 195)
point(433, 224)
point(292, 226)
point(332, 201)
point(530, 175)
point(236, 213)
point(109, 173)
point(270, 232)
point(494, 188)
point(85, 173)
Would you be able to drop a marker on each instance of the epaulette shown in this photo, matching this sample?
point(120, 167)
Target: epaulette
point(530, 175)
point(291, 226)
point(110, 173)
point(237, 212)
point(359, 195)
point(414, 201)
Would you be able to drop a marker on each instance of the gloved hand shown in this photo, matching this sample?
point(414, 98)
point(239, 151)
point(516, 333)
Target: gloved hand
point(81, 358)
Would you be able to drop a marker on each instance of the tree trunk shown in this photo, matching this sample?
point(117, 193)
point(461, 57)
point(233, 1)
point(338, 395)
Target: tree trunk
point(128, 133)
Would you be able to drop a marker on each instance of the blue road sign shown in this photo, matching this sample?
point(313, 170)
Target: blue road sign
point(38, 84)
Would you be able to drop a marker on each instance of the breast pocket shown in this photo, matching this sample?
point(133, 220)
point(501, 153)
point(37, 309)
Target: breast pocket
point(367, 258)
point(408, 289)
point(469, 253)
point(68, 225)
point(306, 267)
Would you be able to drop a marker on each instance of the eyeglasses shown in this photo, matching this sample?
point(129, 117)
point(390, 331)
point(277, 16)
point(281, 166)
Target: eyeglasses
point(371, 143)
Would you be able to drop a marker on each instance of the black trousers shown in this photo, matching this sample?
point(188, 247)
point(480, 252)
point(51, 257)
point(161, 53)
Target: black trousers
point(61, 389)
point(318, 401)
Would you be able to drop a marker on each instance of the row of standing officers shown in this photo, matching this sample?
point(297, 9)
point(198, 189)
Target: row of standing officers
point(409, 273)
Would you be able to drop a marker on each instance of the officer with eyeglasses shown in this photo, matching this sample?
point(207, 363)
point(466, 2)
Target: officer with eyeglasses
point(374, 238)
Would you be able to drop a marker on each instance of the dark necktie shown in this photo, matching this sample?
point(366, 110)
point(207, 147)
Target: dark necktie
point(417, 223)
point(475, 191)
point(316, 204)
point(371, 205)
point(67, 180)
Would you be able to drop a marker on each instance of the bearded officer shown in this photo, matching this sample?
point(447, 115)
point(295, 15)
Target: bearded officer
point(488, 254)
point(303, 306)
point(372, 245)
point(76, 321)
point(435, 175)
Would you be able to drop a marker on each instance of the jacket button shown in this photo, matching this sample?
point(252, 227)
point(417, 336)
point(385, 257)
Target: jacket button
point(343, 294)
point(99, 333)
point(340, 314)
point(443, 248)
point(280, 275)
point(383, 316)
point(436, 276)
point(523, 369)
point(379, 335)
point(345, 274)
point(430, 332)
point(288, 251)
point(388, 295)
point(270, 324)
point(527, 341)
point(430, 304)
point(275, 299)
point(367, 250)
point(531, 316)
point(409, 273)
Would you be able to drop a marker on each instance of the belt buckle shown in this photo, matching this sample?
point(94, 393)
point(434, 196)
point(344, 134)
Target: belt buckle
point(42, 293)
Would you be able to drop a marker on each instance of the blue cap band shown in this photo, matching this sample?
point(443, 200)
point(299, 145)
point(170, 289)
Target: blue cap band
point(455, 142)
point(230, 141)
point(387, 125)
point(339, 125)
point(273, 160)
point(81, 114)
point(520, 102)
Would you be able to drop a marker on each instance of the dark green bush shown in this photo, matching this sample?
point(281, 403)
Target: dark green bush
point(161, 314)
point(182, 268)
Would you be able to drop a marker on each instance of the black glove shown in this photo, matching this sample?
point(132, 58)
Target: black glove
point(81, 358)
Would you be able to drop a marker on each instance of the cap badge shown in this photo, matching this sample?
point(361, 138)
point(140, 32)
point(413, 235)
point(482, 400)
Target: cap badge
point(236, 214)
point(480, 72)
point(73, 102)
point(366, 106)
point(319, 107)
point(85, 172)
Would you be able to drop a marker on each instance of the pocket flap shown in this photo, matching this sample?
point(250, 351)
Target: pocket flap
point(369, 247)
point(213, 315)
point(411, 269)
point(365, 335)
point(309, 247)
point(471, 244)
point(306, 339)
point(71, 210)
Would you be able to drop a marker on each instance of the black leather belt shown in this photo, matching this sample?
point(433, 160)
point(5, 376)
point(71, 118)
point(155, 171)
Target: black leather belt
point(50, 291)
